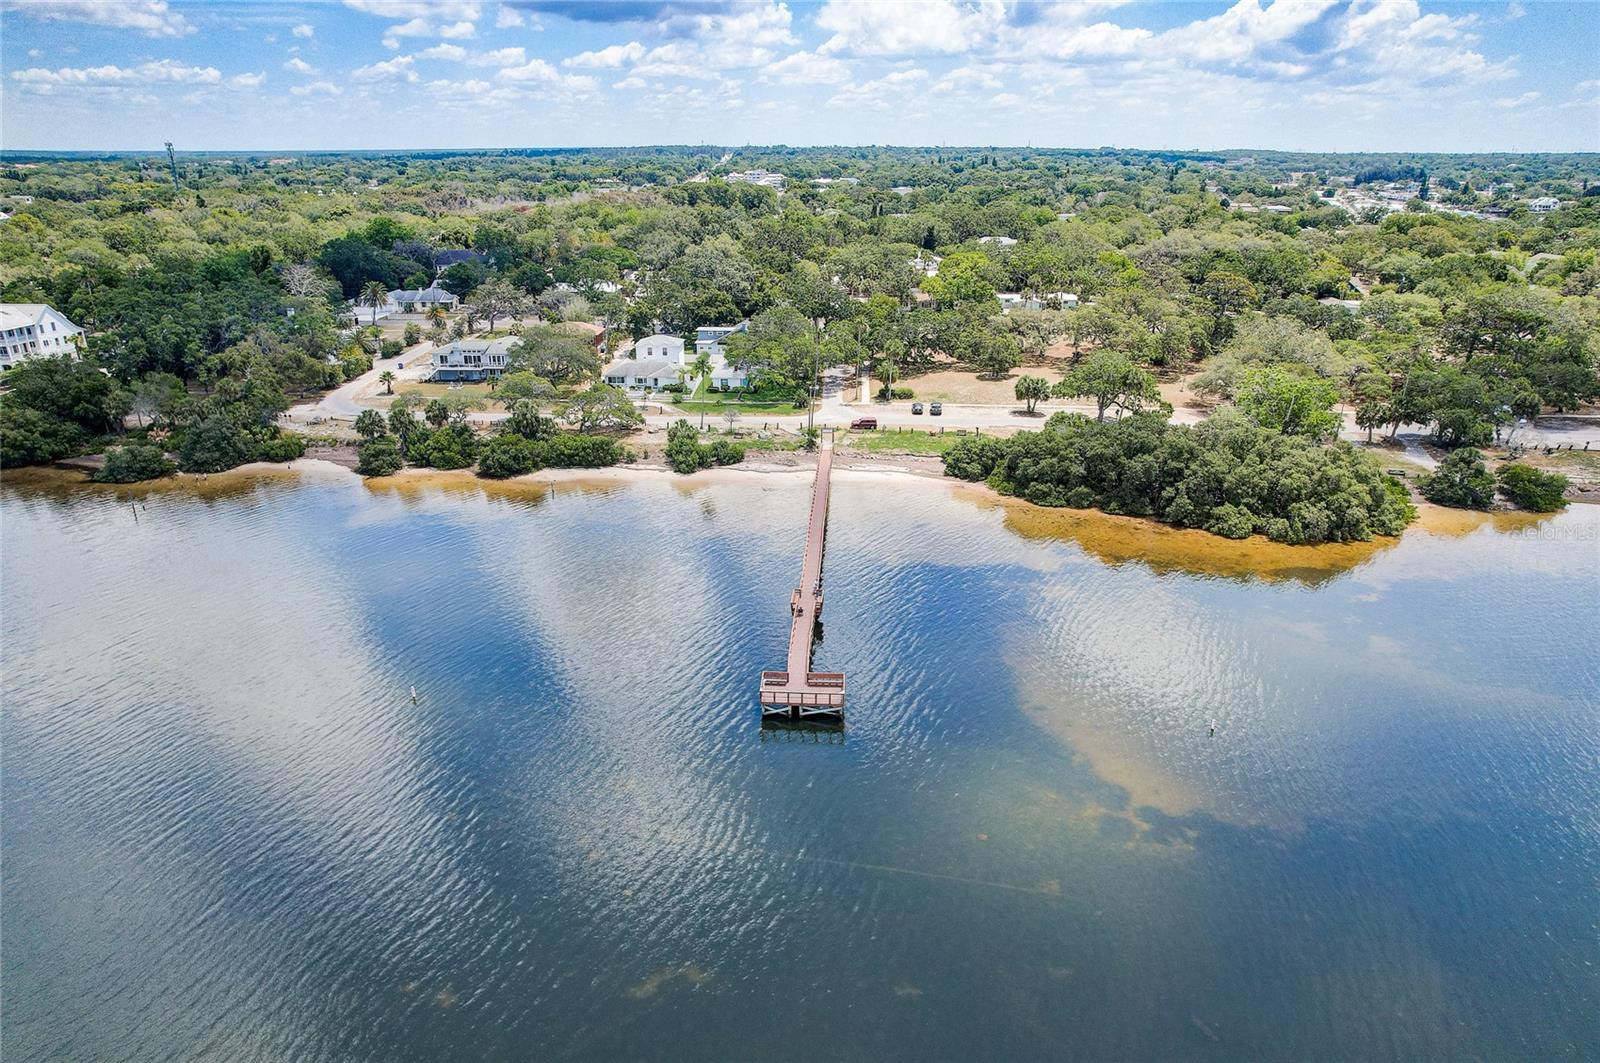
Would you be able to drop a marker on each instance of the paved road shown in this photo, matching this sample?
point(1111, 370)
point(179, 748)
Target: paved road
point(835, 409)
point(340, 403)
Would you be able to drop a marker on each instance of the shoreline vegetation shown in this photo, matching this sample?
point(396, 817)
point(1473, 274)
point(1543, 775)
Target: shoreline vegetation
point(1112, 539)
point(1294, 296)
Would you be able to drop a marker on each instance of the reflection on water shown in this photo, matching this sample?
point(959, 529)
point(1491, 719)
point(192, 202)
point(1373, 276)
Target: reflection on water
point(230, 833)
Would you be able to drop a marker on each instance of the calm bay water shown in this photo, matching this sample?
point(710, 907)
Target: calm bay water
point(228, 832)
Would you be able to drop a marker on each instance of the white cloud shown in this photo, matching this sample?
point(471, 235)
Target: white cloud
point(247, 81)
point(451, 52)
point(907, 27)
point(1509, 102)
point(807, 68)
point(539, 72)
point(507, 17)
point(398, 68)
point(1242, 30)
point(317, 88)
point(443, 10)
point(305, 29)
point(966, 79)
point(459, 31)
point(629, 83)
point(607, 58)
point(161, 71)
point(454, 53)
point(299, 66)
point(882, 92)
point(153, 18)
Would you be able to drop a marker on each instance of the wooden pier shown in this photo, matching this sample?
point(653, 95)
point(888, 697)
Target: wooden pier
point(799, 693)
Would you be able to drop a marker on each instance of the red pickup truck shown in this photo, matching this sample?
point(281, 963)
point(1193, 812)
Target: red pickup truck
point(865, 424)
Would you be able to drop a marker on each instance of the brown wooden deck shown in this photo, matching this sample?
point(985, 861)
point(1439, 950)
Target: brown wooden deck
point(799, 692)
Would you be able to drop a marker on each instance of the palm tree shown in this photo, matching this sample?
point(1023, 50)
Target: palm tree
point(700, 368)
point(386, 378)
point(374, 294)
point(436, 315)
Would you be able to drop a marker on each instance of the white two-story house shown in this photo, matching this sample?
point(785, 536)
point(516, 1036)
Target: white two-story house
point(35, 330)
point(472, 359)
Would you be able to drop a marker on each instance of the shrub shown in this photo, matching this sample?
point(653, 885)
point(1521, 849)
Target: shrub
point(215, 444)
point(684, 452)
point(1461, 482)
point(133, 463)
point(572, 450)
point(392, 348)
point(451, 447)
point(1226, 476)
point(726, 452)
point(355, 362)
point(1535, 489)
point(33, 437)
point(508, 455)
point(413, 334)
point(285, 448)
point(379, 457)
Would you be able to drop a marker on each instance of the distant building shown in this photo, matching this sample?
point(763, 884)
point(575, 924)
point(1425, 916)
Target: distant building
point(443, 260)
point(926, 263)
point(1010, 301)
point(472, 359)
point(35, 330)
point(1544, 204)
point(765, 178)
point(999, 241)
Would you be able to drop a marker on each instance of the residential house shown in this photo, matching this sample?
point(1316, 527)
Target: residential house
point(660, 346)
point(35, 330)
point(708, 338)
point(1010, 301)
point(998, 241)
point(926, 263)
point(645, 374)
point(1544, 204)
point(418, 301)
point(443, 260)
point(472, 359)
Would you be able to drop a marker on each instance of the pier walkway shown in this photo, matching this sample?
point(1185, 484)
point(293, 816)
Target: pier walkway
point(800, 693)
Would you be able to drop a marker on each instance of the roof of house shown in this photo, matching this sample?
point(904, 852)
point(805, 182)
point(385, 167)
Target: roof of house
point(659, 368)
point(475, 345)
point(659, 337)
point(431, 294)
point(21, 315)
point(442, 259)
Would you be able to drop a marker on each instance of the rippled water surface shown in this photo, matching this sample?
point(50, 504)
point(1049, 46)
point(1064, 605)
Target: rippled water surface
point(229, 833)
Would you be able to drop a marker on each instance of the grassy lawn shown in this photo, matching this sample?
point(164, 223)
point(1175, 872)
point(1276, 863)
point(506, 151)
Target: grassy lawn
point(430, 390)
point(707, 401)
point(912, 441)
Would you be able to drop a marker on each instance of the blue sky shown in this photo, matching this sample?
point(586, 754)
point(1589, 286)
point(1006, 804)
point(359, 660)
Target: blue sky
point(1335, 75)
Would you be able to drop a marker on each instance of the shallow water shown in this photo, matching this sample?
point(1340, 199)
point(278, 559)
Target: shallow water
point(229, 833)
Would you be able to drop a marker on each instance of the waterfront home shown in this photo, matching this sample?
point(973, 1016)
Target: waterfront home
point(35, 330)
point(472, 359)
point(660, 346)
point(708, 338)
point(645, 374)
point(419, 300)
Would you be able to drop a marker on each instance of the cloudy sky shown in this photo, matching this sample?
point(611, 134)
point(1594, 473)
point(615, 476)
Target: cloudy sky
point(1297, 74)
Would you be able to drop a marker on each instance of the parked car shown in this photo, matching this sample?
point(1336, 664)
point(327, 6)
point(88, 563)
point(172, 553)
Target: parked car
point(864, 424)
point(916, 407)
point(935, 410)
